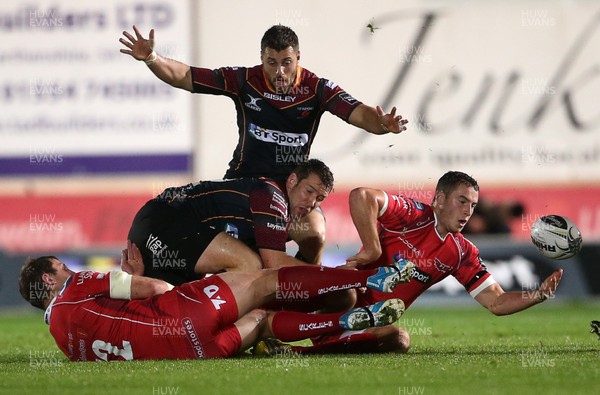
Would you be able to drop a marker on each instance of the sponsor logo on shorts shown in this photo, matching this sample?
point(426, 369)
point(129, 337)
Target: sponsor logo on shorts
point(421, 276)
point(193, 336)
point(253, 103)
point(155, 245)
point(278, 137)
point(211, 291)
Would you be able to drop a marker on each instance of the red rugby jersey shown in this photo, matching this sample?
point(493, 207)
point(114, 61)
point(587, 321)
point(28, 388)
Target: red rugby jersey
point(407, 227)
point(88, 325)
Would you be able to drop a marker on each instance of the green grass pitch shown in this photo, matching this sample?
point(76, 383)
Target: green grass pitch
point(545, 350)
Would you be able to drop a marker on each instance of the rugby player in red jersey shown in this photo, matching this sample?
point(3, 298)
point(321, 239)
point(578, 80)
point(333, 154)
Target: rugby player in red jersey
point(398, 229)
point(279, 105)
point(117, 316)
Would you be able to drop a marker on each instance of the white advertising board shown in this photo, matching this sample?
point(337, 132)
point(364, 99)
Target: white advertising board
point(69, 98)
point(507, 92)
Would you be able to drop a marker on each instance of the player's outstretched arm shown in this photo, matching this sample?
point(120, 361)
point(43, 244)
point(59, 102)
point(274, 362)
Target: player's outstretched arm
point(376, 121)
point(502, 303)
point(172, 72)
point(146, 287)
point(365, 205)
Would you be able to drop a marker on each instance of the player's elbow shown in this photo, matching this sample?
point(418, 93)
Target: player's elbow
point(498, 310)
point(182, 80)
point(358, 196)
point(357, 192)
point(144, 287)
point(161, 288)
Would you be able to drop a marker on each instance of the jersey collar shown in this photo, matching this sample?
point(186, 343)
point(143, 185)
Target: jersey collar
point(49, 308)
point(435, 222)
point(297, 81)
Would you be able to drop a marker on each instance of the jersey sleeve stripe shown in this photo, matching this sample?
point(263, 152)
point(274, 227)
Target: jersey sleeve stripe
point(225, 217)
point(489, 280)
point(385, 205)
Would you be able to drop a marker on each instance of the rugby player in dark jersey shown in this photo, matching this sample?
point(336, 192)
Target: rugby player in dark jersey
point(207, 227)
point(279, 105)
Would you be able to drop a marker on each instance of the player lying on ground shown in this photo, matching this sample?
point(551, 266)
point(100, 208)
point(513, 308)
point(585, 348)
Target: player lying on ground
point(279, 105)
point(207, 227)
point(117, 316)
point(394, 228)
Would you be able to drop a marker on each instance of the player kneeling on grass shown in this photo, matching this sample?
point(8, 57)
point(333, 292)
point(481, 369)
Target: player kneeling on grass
point(234, 225)
point(118, 316)
point(393, 228)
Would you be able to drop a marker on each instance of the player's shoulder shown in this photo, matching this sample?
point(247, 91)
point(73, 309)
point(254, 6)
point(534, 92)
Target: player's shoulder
point(233, 73)
point(254, 73)
point(308, 75)
point(269, 184)
point(269, 194)
point(466, 246)
point(409, 204)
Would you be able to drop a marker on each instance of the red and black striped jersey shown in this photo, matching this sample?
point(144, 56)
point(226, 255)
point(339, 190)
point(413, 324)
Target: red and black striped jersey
point(275, 130)
point(253, 210)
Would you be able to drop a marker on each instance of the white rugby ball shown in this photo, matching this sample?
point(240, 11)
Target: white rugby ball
point(556, 237)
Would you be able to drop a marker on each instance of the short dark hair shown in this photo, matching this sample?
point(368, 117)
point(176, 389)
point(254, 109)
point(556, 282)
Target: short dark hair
point(315, 166)
point(279, 37)
point(33, 289)
point(452, 179)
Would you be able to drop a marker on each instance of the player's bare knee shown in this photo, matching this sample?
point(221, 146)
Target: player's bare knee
point(402, 344)
point(339, 301)
point(316, 235)
point(267, 325)
point(392, 339)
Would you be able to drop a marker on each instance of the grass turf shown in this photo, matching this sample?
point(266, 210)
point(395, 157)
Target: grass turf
point(547, 349)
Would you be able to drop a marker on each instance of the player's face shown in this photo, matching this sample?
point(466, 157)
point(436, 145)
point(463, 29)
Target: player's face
point(454, 210)
point(305, 195)
point(62, 272)
point(280, 67)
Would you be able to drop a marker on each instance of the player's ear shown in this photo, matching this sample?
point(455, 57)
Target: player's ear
point(292, 181)
point(298, 55)
point(47, 279)
point(439, 199)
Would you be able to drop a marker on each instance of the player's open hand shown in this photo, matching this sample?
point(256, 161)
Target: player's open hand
point(362, 258)
point(138, 47)
point(391, 122)
point(550, 284)
point(131, 260)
